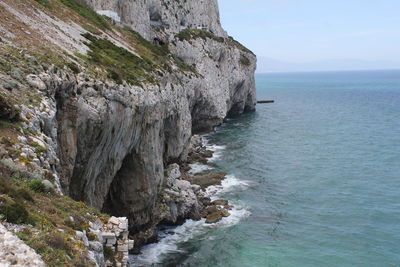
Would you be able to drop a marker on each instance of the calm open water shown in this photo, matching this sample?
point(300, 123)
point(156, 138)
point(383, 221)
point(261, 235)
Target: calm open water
point(315, 178)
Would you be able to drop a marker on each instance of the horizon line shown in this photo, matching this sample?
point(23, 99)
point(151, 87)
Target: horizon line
point(305, 71)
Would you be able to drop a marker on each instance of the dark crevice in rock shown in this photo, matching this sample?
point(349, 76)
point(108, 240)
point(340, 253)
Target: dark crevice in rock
point(127, 193)
point(67, 118)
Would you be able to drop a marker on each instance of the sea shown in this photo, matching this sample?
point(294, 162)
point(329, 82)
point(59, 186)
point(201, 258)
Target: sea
point(314, 178)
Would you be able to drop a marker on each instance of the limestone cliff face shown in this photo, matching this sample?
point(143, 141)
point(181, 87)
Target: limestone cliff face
point(111, 142)
point(115, 140)
point(151, 17)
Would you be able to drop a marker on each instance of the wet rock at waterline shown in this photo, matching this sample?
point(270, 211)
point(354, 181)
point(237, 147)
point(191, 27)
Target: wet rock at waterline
point(207, 179)
point(214, 213)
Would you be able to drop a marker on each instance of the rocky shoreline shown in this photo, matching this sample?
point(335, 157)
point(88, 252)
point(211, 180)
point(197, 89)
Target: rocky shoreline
point(184, 195)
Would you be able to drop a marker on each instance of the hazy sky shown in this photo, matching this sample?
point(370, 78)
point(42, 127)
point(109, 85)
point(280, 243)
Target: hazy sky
point(312, 30)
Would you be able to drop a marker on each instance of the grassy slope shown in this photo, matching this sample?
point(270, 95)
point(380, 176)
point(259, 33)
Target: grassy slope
point(47, 215)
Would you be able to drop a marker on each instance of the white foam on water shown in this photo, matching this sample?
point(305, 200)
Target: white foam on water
point(168, 243)
point(231, 182)
point(217, 152)
point(216, 149)
point(172, 237)
point(198, 168)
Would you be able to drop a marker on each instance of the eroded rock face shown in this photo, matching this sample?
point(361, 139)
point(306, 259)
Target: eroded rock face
point(114, 140)
point(148, 16)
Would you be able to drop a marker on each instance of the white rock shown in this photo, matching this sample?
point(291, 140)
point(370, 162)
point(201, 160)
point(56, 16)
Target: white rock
point(14, 252)
point(35, 82)
point(82, 236)
point(131, 243)
point(114, 220)
point(123, 248)
point(22, 139)
point(49, 187)
point(123, 226)
point(95, 246)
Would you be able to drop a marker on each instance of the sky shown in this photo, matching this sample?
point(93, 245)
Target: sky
point(299, 31)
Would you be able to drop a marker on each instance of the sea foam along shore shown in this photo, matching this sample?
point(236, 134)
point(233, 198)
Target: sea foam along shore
point(171, 237)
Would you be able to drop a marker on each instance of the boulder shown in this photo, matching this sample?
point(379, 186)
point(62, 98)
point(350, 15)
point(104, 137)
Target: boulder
point(48, 186)
point(214, 213)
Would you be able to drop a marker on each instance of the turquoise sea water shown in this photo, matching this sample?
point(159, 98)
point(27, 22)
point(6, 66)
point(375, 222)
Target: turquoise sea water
point(315, 178)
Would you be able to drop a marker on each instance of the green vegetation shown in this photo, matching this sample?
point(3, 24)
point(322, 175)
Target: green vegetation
point(238, 45)
point(122, 65)
point(190, 34)
point(91, 29)
point(36, 186)
point(159, 55)
point(119, 63)
point(13, 212)
point(38, 148)
point(56, 248)
point(24, 201)
point(109, 254)
point(244, 60)
point(75, 69)
point(5, 66)
point(44, 3)
point(87, 13)
point(18, 62)
point(6, 124)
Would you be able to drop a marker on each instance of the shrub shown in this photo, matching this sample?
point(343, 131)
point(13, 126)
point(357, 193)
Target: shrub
point(25, 194)
point(38, 148)
point(78, 223)
point(244, 60)
point(91, 236)
point(57, 241)
point(14, 212)
point(75, 69)
point(190, 34)
point(36, 186)
point(108, 253)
